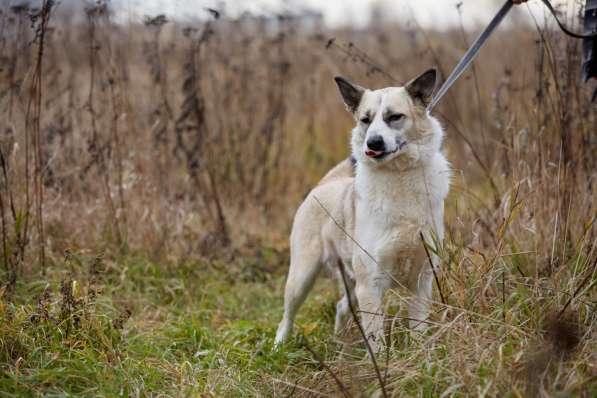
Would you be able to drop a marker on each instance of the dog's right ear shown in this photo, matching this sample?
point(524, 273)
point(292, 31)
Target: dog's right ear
point(351, 93)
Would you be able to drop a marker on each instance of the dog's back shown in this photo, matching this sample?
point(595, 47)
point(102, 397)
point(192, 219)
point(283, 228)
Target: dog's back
point(344, 169)
point(314, 229)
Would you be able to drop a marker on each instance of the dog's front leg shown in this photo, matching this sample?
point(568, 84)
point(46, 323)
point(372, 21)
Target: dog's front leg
point(370, 289)
point(421, 278)
point(418, 306)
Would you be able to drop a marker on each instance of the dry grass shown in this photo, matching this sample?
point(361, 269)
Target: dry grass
point(180, 144)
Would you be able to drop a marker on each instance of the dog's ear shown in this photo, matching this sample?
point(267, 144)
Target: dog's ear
point(351, 93)
point(421, 88)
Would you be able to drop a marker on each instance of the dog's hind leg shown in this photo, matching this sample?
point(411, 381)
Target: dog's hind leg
point(304, 267)
point(343, 313)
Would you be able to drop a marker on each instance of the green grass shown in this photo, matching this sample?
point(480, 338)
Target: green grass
point(132, 327)
point(192, 329)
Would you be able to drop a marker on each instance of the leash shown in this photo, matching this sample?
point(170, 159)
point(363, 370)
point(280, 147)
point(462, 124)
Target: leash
point(471, 53)
point(474, 49)
point(549, 6)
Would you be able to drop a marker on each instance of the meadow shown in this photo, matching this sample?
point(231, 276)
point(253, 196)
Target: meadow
point(149, 176)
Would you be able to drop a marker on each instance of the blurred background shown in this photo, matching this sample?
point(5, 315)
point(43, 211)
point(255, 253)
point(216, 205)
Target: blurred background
point(184, 127)
point(358, 14)
point(166, 125)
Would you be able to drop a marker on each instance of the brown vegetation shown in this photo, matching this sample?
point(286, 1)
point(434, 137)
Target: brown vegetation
point(164, 136)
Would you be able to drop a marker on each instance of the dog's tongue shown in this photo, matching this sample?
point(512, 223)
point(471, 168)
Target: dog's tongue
point(372, 154)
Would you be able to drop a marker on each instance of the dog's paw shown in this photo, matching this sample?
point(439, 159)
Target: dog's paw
point(281, 336)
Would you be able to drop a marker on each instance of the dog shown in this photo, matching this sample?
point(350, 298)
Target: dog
point(371, 210)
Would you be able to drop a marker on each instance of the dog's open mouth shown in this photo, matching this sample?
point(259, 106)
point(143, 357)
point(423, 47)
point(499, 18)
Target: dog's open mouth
point(382, 154)
point(375, 154)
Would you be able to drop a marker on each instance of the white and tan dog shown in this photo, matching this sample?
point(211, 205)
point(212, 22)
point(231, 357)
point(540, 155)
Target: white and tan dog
point(396, 193)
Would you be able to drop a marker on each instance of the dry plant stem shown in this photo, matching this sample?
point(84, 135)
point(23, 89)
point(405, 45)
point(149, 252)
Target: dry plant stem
point(504, 295)
point(276, 99)
point(116, 99)
point(100, 151)
point(22, 236)
point(194, 114)
point(439, 287)
point(25, 233)
point(486, 170)
point(117, 141)
point(222, 224)
point(351, 50)
point(4, 165)
point(16, 255)
point(13, 66)
point(4, 245)
point(91, 57)
point(578, 289)
point(502, 229)
point(119, 165)
point(36, 96)
point(361, 329)
point(350, 303)
point(341, 385)
point(388, 346)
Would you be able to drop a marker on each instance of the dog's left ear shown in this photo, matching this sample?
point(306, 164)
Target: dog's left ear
point(421, 88)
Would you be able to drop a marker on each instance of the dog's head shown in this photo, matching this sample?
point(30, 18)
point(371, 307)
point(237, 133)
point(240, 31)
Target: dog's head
point(392, 123)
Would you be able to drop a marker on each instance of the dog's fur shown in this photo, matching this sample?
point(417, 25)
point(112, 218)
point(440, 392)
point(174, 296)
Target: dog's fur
point(384, 204)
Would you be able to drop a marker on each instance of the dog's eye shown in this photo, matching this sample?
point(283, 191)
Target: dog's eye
point(366, 120)
point(395, 117)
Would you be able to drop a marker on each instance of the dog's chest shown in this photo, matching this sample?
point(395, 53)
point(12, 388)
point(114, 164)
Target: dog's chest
point(388, 228)
point(391, 212)
point(397, 201)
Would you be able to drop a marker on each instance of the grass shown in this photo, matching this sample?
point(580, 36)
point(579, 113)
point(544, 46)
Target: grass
point(191, 330)
point(133, 327)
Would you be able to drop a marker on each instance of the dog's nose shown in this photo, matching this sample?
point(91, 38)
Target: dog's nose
point(375, 143)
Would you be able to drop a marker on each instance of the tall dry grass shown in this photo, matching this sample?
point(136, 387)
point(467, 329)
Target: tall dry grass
point(164, 136)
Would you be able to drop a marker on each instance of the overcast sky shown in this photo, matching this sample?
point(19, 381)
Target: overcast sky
point(441, 13)
point(428, 13)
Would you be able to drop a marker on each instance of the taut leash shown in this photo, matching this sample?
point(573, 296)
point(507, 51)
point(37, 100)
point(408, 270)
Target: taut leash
point(471, 53)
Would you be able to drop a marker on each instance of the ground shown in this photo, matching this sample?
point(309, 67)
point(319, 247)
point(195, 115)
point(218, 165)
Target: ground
point(153, 330)
point(134, 327)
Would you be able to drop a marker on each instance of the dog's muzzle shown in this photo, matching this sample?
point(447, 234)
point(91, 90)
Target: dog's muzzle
point(378, 155)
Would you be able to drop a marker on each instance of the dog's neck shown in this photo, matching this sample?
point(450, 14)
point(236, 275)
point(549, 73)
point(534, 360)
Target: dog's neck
point(370, 179)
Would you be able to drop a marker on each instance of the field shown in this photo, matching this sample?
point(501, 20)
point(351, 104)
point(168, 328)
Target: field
point(150, 173)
